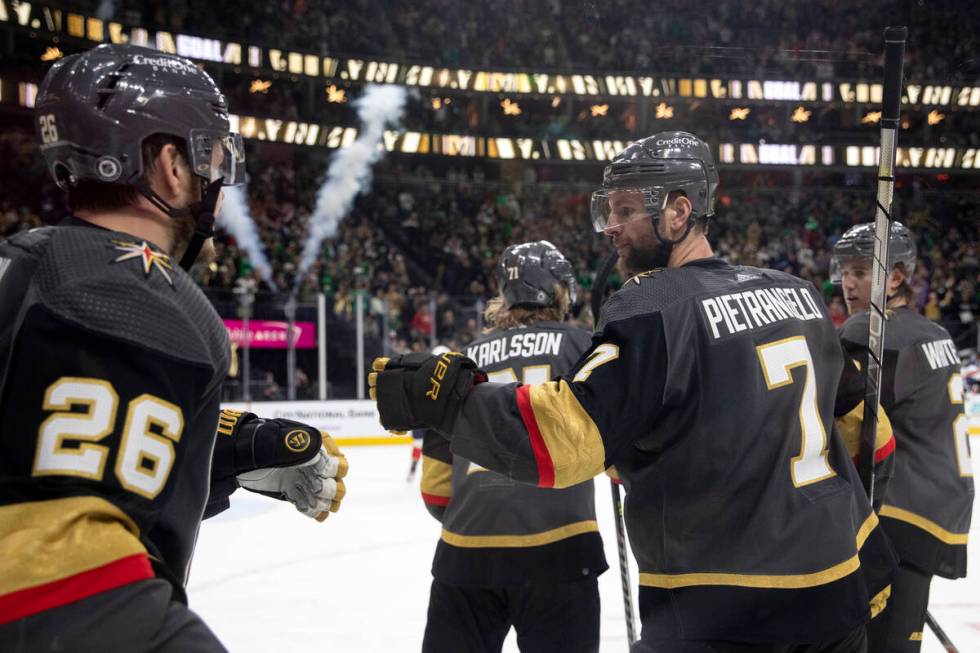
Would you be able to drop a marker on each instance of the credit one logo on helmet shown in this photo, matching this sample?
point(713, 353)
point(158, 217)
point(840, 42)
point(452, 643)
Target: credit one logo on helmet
point(679, 140)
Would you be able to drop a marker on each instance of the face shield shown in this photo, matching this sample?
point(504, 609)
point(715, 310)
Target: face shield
point(217, 155)
point(611, 207)
point(838, 261)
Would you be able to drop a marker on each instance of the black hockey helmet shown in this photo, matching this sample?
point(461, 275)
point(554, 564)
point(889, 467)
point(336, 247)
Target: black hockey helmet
point(527, 274)
point(858, 242)
point(95, 109)
point(656, 166)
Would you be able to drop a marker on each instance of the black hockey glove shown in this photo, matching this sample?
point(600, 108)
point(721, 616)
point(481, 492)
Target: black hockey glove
point(247, 442)
point(420, 390)
point(279, 458)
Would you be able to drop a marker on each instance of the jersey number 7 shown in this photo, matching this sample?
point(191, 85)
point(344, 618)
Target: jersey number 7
point(778, 359)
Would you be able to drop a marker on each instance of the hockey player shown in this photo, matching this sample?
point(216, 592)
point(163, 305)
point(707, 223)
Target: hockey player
point(711, 388)
point(512, 554)
point(111, 362)
point(927, 504)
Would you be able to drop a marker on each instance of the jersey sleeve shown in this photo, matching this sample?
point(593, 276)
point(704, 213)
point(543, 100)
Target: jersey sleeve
point(437, 473)
point(561, 433)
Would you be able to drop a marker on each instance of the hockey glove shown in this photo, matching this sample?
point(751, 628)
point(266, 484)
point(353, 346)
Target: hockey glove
point(246, 442)
point(314, 487)
point(419, 390)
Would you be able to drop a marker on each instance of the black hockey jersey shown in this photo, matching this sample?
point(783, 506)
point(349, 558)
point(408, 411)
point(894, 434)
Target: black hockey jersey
point(711, 389)
point(497, 532)
point(928, 502)
point(111, 361)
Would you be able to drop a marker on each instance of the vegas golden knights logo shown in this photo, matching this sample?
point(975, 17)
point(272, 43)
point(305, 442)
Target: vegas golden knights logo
point(297, 441)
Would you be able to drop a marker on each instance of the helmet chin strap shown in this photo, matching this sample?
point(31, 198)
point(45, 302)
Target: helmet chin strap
point(662, 256)
point(202, 211)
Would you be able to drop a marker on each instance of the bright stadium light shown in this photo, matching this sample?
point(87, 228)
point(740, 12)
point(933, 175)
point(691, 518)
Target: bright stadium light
point(52, 54)
point(801, 115)
point(336, 95)
point(259, 86)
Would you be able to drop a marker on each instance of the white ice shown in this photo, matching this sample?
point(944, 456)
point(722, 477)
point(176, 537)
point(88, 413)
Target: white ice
point(268, 580)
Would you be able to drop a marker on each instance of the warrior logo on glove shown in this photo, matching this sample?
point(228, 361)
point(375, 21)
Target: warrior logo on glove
point(297, 441)
point(420, 390)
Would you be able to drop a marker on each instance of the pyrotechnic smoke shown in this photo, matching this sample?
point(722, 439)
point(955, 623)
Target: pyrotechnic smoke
point(234, 218)
point(350, 168)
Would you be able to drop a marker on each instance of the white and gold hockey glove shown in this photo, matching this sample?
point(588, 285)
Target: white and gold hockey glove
point(314, 487)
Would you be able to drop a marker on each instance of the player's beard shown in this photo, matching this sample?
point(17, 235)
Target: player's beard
point(183, 232)
point(647, 254)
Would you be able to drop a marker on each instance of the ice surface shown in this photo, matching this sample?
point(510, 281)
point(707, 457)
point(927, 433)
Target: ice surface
point(269, 580)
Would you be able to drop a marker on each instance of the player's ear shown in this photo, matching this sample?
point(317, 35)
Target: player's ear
point(170, 173)
point(895, 278)
point(679, 212)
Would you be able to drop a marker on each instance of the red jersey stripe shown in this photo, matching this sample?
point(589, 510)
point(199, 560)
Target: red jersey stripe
point(31, 600)
point(546, 467)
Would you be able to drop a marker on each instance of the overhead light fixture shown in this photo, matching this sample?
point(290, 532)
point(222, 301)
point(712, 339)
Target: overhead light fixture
point(510, 108)
point(599, 110)
point(801, 115)
point(52, 54)
point(336, 95)
point(259, 86)
point(739, 113)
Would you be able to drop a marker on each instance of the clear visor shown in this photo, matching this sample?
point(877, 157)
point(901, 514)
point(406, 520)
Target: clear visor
point(217, 155)
point(838, 263)
point(611, 207)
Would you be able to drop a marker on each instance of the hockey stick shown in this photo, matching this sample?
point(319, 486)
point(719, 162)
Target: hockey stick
point(940, 634)
point(890, 109)
point(598, 290)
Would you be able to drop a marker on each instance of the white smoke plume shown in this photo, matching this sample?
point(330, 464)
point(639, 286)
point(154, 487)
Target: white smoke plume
point(234, 217)
point(349, 172)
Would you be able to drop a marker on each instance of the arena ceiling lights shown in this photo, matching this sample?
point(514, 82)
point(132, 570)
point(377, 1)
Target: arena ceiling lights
point(53, 23)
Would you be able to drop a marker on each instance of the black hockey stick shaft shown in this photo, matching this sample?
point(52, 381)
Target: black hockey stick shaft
point(598, 292)
point(891, 103)
point(940, 634)
point(890, 108)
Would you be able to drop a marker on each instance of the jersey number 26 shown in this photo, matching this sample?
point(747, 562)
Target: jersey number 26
point(146, 451)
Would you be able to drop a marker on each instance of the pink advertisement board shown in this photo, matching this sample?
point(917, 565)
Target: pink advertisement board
point(271, 334)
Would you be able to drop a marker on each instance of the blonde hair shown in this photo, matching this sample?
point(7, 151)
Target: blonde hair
point(498, 316)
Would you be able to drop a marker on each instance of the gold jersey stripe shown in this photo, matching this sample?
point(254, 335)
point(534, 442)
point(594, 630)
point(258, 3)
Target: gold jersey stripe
point(572, 438)
point(437, 477)
point(780, 581)
point(515, 541)
point(927, 525)
point(45, 541)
